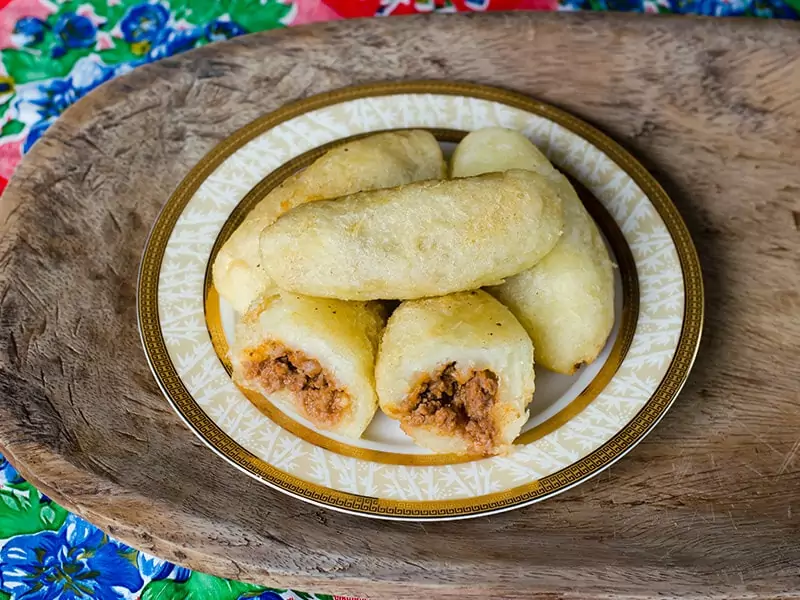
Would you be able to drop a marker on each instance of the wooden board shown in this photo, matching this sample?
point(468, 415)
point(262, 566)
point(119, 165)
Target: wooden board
point(707, 505)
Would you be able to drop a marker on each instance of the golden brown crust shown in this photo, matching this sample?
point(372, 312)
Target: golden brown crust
point(378, 161)
point(423, 239)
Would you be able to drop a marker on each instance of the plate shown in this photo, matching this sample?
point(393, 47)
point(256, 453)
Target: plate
point(579, 424)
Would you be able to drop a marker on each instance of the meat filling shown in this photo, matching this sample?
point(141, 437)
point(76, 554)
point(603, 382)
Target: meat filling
point(276, 368)
point(457, 404)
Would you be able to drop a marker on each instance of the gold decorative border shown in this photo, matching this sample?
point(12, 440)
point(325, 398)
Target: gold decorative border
point(609, 452)
point(627, 329)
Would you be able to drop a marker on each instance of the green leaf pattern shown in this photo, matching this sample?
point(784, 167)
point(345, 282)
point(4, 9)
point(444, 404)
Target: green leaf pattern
point(27, 516)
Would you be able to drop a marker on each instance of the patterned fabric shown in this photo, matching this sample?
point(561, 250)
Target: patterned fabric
point(53, 52)
point(48, 554)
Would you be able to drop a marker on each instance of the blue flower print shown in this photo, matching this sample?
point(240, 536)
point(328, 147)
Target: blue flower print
point(48, 99)
point(78, 562)
point(37, 104)
point(88, 73)
point(34, 134)
point(144, 23)
point(266, 595)
point(75, 31)
point(613, 5)
point(8, 474)
point(223, 29)
point(29, 31)
point(776, 9)
point(174, 41)
point(6, 85)
point(719, 8)
point(156, 568)
point(625, 5)
point(51, 99)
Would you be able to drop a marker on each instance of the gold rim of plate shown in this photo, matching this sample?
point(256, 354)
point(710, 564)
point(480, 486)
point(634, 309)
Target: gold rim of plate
point(613, 449)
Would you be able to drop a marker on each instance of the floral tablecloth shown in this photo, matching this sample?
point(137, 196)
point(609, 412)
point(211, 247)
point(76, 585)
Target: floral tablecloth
point(53, 52)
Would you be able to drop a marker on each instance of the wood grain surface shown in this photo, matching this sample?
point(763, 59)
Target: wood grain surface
point(708, 505)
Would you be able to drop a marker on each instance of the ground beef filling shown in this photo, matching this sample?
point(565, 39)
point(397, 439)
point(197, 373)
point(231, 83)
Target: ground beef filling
point(457, 403)
point(279, 368)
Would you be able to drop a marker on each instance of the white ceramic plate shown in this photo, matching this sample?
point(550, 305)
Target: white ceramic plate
point(579, 424)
